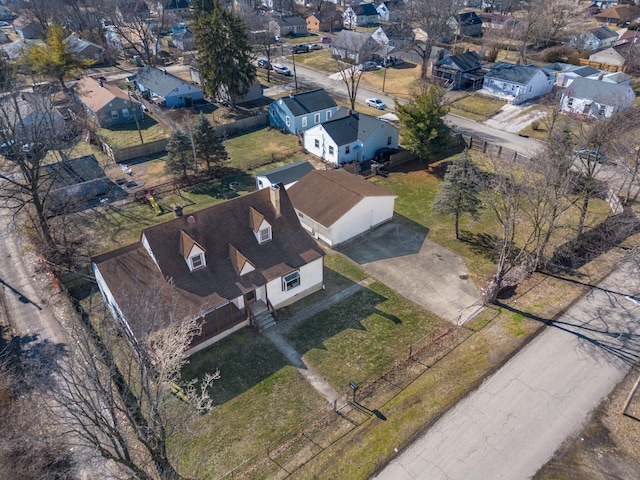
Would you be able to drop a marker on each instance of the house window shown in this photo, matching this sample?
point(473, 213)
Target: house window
point(347, 149)
point(570, 102)
point(388, 140)
point(330, 149)
point(273, 113)
point(114, 114)
point(316, 118)
point(586, 108)
point(328, 114)
point(530, 87)
point(265, 234)
point(304, 121)
point(125, 112)
point(287, 120)
point(316, 143)
point(196, 261)
point(602, 110)
point(291, 281)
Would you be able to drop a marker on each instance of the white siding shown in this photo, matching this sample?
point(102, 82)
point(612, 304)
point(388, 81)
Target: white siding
point(367, 214)
point(147, 247)
point(311, 278)
point(110, 301)
point(324, 143)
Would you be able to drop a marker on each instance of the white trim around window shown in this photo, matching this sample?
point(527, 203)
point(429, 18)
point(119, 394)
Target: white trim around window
point(196, 261)
point(291, 281)
point(264, 234)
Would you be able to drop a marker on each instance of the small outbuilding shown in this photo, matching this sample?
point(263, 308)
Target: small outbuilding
point(336, 206)
point(287, 175)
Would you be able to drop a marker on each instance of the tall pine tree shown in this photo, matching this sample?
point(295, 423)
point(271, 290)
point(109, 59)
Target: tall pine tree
point(224, 53)
point(458, 194)
point(209, 146)
point(179, 149)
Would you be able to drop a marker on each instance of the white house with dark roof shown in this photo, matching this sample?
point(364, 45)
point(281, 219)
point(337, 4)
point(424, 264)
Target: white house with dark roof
point(223, 264)
point(595, 98)
point(350, 136)
point(287, 175)
point(460, 71)
point(297, 113)
point(516, 83)
point(335, 206)
point(594, 39)
point(362, 15)
point(288, 25)
point(166, 89)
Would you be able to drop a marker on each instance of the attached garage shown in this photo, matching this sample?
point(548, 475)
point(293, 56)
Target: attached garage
point(336, 206)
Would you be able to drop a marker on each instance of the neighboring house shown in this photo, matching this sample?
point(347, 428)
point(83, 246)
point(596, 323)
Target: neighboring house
point(609, 59)
point(497, 21)
point(349, 137)
point(597, 38)
point(166, 89)
point(462, 71)
point(221, 264)
point(357, 47)
point(31, 116)
point(15, 49)
point(106, 104)
point(320, 22)
point(183, 40)
point(619, 78)
point(597, 99)
point(467, 24)
point(289, 26)
point(287, 175)
point(297, 113)
point(5, 14)
point(75, 182)
point(383, 12)
point(618, 15)
point(84, 49)
point(516, 83)
point(362, 15)
point(565, 73)
point(177, 7)
point(335, 206)
point(28, 28)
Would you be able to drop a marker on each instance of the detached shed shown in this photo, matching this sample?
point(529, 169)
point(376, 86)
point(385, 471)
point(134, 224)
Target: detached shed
point(335, 206)
point(288, 175)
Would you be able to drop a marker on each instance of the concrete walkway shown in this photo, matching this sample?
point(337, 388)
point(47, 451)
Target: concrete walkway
point(307, 371)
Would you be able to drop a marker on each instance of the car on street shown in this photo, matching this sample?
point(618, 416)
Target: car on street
point(315, 46)
point(367, 66)
point(4, 24)
point(277, 38)
point(375, 103)
point(592, 154)
point(263, 63)
point(300, 49)
point(281, 69)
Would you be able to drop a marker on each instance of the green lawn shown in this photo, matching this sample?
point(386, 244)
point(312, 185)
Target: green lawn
point(319, 60)
point(476, 107)
point(260, 147)
point(126, 135)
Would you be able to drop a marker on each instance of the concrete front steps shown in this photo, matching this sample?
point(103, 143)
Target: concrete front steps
point(262, 316)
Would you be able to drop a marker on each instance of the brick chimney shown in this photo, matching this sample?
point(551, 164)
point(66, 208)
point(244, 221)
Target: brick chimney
point(274, 196)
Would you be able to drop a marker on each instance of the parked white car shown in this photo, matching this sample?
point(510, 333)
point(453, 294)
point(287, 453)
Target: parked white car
point(281, 69)
point(375, 103)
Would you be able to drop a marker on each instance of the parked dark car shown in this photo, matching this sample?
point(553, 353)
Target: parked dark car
point(586, 154)
point(262, 63)
point(300, 49)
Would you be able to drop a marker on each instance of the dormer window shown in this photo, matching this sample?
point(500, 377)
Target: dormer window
point(265, 234)
point(196, 261)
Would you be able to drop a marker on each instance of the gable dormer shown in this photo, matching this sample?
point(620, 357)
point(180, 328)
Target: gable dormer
point(240, 263)
point(260, 227)
point(194, 255)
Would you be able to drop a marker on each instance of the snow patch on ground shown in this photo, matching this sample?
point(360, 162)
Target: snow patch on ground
point(513, 118)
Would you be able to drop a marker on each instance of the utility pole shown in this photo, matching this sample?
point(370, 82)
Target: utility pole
point(135, 114)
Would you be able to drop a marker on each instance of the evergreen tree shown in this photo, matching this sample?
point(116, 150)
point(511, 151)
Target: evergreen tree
point(179, 149)
point(52, 59)
point(424, 131)
point(224, 53)
point(208, 144)
point(458, 193)
point(200, 6)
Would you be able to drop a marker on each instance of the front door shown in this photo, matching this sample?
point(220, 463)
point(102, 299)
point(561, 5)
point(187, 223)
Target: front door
point(249, 298)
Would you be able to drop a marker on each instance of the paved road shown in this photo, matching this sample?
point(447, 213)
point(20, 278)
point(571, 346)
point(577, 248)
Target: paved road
point(518, 417)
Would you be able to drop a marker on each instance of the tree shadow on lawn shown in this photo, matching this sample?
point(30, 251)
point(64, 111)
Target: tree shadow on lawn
point(244, 359)
point(226, 187)
point(345, 315)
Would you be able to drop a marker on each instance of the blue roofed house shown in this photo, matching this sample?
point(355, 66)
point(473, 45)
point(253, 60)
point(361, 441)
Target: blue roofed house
point(595, 98)
point(349, 137)
point(516, 83)
point(166, 89)
point(296, 113)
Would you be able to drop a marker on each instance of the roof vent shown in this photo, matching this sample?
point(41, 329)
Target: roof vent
point(191, 220)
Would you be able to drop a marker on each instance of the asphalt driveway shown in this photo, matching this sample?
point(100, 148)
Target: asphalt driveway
point(418, 269)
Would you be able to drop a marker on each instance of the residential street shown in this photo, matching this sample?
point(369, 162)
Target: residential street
point(517, 418)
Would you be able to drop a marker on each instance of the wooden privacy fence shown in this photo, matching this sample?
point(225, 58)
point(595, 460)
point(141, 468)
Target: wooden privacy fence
point(492, 149)
point(128, 153)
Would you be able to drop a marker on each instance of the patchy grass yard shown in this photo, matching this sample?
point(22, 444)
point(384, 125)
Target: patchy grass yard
point(399, 81)
point(476, 107)
point(319, 60)
point(126, 135)
point(261, 146)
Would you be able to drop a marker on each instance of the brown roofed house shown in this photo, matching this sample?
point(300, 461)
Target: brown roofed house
point(221, 263)
point(618, 15)
point(106, 104)
point(336, 206)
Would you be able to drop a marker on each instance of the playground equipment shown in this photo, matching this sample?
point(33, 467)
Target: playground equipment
point(152, 203)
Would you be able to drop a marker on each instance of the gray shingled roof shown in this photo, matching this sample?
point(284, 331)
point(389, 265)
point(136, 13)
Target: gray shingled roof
point(309, 102)
point(288, 173)
point(161, 82)
point(604, 93)
point(76, 44)
point(365, 9)
point(585, 71)
point(603, 33)
point(468, 18)
point(464, 61)
point(513, 73)
point(345, 128)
